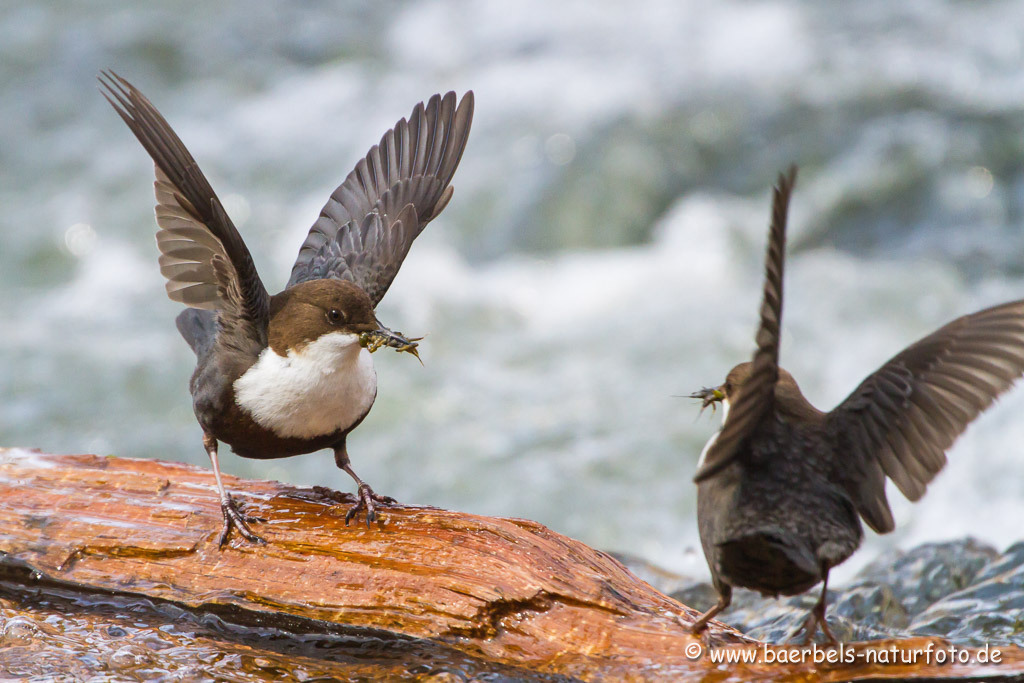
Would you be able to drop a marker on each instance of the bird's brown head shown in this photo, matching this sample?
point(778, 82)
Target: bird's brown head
point(712, 396)
point(305, 312)
point(787, 392)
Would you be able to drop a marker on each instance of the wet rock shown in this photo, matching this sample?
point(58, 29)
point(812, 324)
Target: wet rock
point(963, 590)
point(989, 610)
point(700, 595)
point(918, 578)
point(17, 631)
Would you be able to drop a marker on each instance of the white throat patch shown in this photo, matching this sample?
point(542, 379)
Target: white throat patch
point(714, 437)
point(323, 388)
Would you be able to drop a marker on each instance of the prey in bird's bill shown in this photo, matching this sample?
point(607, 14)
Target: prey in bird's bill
point(782, 487)
point(291, 373)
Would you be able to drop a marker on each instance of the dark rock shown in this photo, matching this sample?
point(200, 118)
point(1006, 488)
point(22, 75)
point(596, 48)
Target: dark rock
point(922, 576)
point(961, 590)
point(700, 595)
point(989, 610)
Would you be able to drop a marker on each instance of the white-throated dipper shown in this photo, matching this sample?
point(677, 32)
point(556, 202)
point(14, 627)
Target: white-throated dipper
point(291, 373)
point(782, 486)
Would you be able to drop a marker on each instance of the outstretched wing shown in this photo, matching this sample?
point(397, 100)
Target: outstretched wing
point(755, 397)
point(901, 419)
point(204, 259)
point(367, 226)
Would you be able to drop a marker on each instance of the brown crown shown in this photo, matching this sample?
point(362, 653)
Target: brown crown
point(302, 313)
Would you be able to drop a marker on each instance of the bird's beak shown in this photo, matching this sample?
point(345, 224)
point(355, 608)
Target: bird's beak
point(382, 336)
point(709, 397)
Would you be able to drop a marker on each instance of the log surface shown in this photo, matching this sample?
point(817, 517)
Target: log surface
point(474, 593)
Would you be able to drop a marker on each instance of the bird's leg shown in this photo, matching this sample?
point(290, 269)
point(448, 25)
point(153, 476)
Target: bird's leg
point(724, 600)
point(816, 617)
point(232, 517)
point(368, 500)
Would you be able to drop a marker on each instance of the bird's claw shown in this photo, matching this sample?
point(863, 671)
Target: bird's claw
point(234, 518)
point(368, 501)
point(810, 626)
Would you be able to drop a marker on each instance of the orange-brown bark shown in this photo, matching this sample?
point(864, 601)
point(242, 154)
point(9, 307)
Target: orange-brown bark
point(506, 592)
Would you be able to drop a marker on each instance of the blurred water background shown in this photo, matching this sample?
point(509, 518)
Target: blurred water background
point(601, 255)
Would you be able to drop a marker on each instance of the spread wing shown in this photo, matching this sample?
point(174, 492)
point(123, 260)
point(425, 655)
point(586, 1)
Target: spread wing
point(901, 419)
point(755, 397)
point(204, 259)
point(367, 226)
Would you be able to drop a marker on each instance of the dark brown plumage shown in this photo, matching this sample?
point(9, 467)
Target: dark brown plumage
point(782, 487)
point(291, 373)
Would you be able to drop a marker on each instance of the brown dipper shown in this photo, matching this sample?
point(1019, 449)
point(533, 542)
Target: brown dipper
point(291, 373)
point(781, 488)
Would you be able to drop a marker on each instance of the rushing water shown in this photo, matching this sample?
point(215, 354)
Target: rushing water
point(601, 254)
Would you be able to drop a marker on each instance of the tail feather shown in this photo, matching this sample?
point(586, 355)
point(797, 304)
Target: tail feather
point(782, 563)
point(199, 328)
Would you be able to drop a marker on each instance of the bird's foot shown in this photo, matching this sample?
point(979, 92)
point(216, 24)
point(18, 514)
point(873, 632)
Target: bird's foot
point(368, 501)
point(698, 628)
point(807, 629)
point(234, 518)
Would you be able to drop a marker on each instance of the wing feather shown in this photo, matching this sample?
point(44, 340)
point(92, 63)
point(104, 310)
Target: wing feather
point(929, 393)
point(756, 397)
point(203, 257)
point(367, 226)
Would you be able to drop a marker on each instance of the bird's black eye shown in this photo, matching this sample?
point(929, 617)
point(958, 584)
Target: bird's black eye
point(335, 316)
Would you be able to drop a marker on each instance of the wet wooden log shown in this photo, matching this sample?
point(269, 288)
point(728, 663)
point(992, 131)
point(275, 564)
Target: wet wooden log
point(455, 592)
